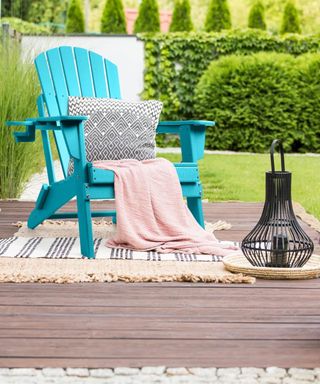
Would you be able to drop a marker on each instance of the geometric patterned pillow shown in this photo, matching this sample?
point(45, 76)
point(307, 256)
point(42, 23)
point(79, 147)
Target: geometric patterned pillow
point(117, 129)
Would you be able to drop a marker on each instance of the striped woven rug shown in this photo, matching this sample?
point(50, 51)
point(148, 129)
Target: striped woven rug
point(69, 248)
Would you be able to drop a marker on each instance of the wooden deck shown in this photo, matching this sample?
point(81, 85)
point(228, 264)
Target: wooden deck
point(271, 323)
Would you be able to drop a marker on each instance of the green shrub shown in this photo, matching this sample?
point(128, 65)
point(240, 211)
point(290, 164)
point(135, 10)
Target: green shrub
point(18, 92)
point(15, 8)
point(257, 98)
point(218, 16)
point(25, 27)
point(113, 17)
point(256, 16)
point(174, 62)
point(308, 119)
point(148, 19)
point(46, 11)
point(75, 18)
point(181, 18)
point(290, 21)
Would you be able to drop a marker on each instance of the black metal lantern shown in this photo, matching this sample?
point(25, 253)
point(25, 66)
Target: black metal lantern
point(277, 240)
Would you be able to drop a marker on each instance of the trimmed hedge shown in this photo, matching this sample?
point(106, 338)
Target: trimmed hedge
point(175, 62)
point(257, 98)
point(26, 27)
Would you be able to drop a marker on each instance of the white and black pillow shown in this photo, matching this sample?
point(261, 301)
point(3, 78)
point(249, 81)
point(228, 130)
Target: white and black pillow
point(117, 129)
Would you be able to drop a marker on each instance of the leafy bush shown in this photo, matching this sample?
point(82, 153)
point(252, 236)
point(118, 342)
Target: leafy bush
point(174, 62)
point(18, 92)
point(75, 18)
point(15, 8)
point(25, 27)
point(113, 18)
point(46, 11)
point(256, 16)
point(181, 18)
point(148, 19)
point(290, 21)
point(218, 16)
point(257, 98)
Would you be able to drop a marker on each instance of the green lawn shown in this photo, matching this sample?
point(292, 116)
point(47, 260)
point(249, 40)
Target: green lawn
point(242, 178)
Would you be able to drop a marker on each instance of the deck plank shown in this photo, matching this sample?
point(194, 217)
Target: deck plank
point(173, 324)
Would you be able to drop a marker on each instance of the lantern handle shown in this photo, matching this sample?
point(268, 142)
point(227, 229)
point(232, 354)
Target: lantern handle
point(273, 145)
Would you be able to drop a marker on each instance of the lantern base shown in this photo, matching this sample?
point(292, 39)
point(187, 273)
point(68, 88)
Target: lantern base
point(272, 265)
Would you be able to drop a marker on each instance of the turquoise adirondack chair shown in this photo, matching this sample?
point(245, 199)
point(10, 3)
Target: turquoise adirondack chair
point(70, 71)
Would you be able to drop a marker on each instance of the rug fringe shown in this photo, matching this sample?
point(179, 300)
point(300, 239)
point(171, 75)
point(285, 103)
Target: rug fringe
point(86, 271)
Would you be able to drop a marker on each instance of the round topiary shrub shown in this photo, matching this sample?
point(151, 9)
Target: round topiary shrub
point(253, 100)
point(308, 119)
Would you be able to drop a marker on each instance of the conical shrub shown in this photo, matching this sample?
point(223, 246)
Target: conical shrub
point(75, 18)
point(181, 18)
point(113, 17)
point(256, 16)
point(218, 16)
point(290, 20)
point(148, 19)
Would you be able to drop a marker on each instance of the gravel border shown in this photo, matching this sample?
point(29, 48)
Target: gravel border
point(160, 375)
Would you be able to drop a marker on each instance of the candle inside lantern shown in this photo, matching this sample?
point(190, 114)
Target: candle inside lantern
point(279, 251)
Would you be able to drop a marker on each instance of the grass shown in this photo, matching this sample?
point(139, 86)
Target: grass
point(18, 92)
point(241, 177)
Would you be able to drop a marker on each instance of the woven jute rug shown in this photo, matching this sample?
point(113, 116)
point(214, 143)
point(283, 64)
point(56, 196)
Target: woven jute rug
point(51, 254)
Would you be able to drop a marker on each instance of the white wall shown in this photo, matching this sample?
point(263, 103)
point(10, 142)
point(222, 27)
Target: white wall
point(124, 51)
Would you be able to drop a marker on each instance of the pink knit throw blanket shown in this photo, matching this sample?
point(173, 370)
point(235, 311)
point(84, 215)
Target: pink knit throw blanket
point(151, 213)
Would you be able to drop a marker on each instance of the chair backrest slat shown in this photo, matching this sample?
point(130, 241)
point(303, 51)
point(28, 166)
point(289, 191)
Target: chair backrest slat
point(70, 71)
point(47, 85)
point(98, 75)
point(84, 72)
point(58, 79)
point(113, 79)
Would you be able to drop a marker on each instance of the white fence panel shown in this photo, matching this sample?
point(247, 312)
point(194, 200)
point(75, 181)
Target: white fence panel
point(125, 51)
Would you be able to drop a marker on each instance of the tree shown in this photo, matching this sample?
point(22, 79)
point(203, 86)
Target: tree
point(290, 20)
point(256, 16)
point(75, 18)
point(52, 11)
point(113, 17)
point(15, 8)
point(181, 18)
point(148, 19)
point(218, 16)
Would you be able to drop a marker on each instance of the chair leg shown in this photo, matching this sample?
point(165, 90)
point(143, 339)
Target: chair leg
point(195, 206)
point(85, 223)
point(50, 199)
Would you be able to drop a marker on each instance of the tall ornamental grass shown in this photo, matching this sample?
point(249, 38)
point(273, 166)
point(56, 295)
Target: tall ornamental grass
point(18, 92)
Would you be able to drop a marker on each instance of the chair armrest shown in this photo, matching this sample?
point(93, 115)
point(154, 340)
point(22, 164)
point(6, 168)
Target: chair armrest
point(47, 123)
point(175, 127)
point(181, 123)
point(192, 136)
point(62, 119)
